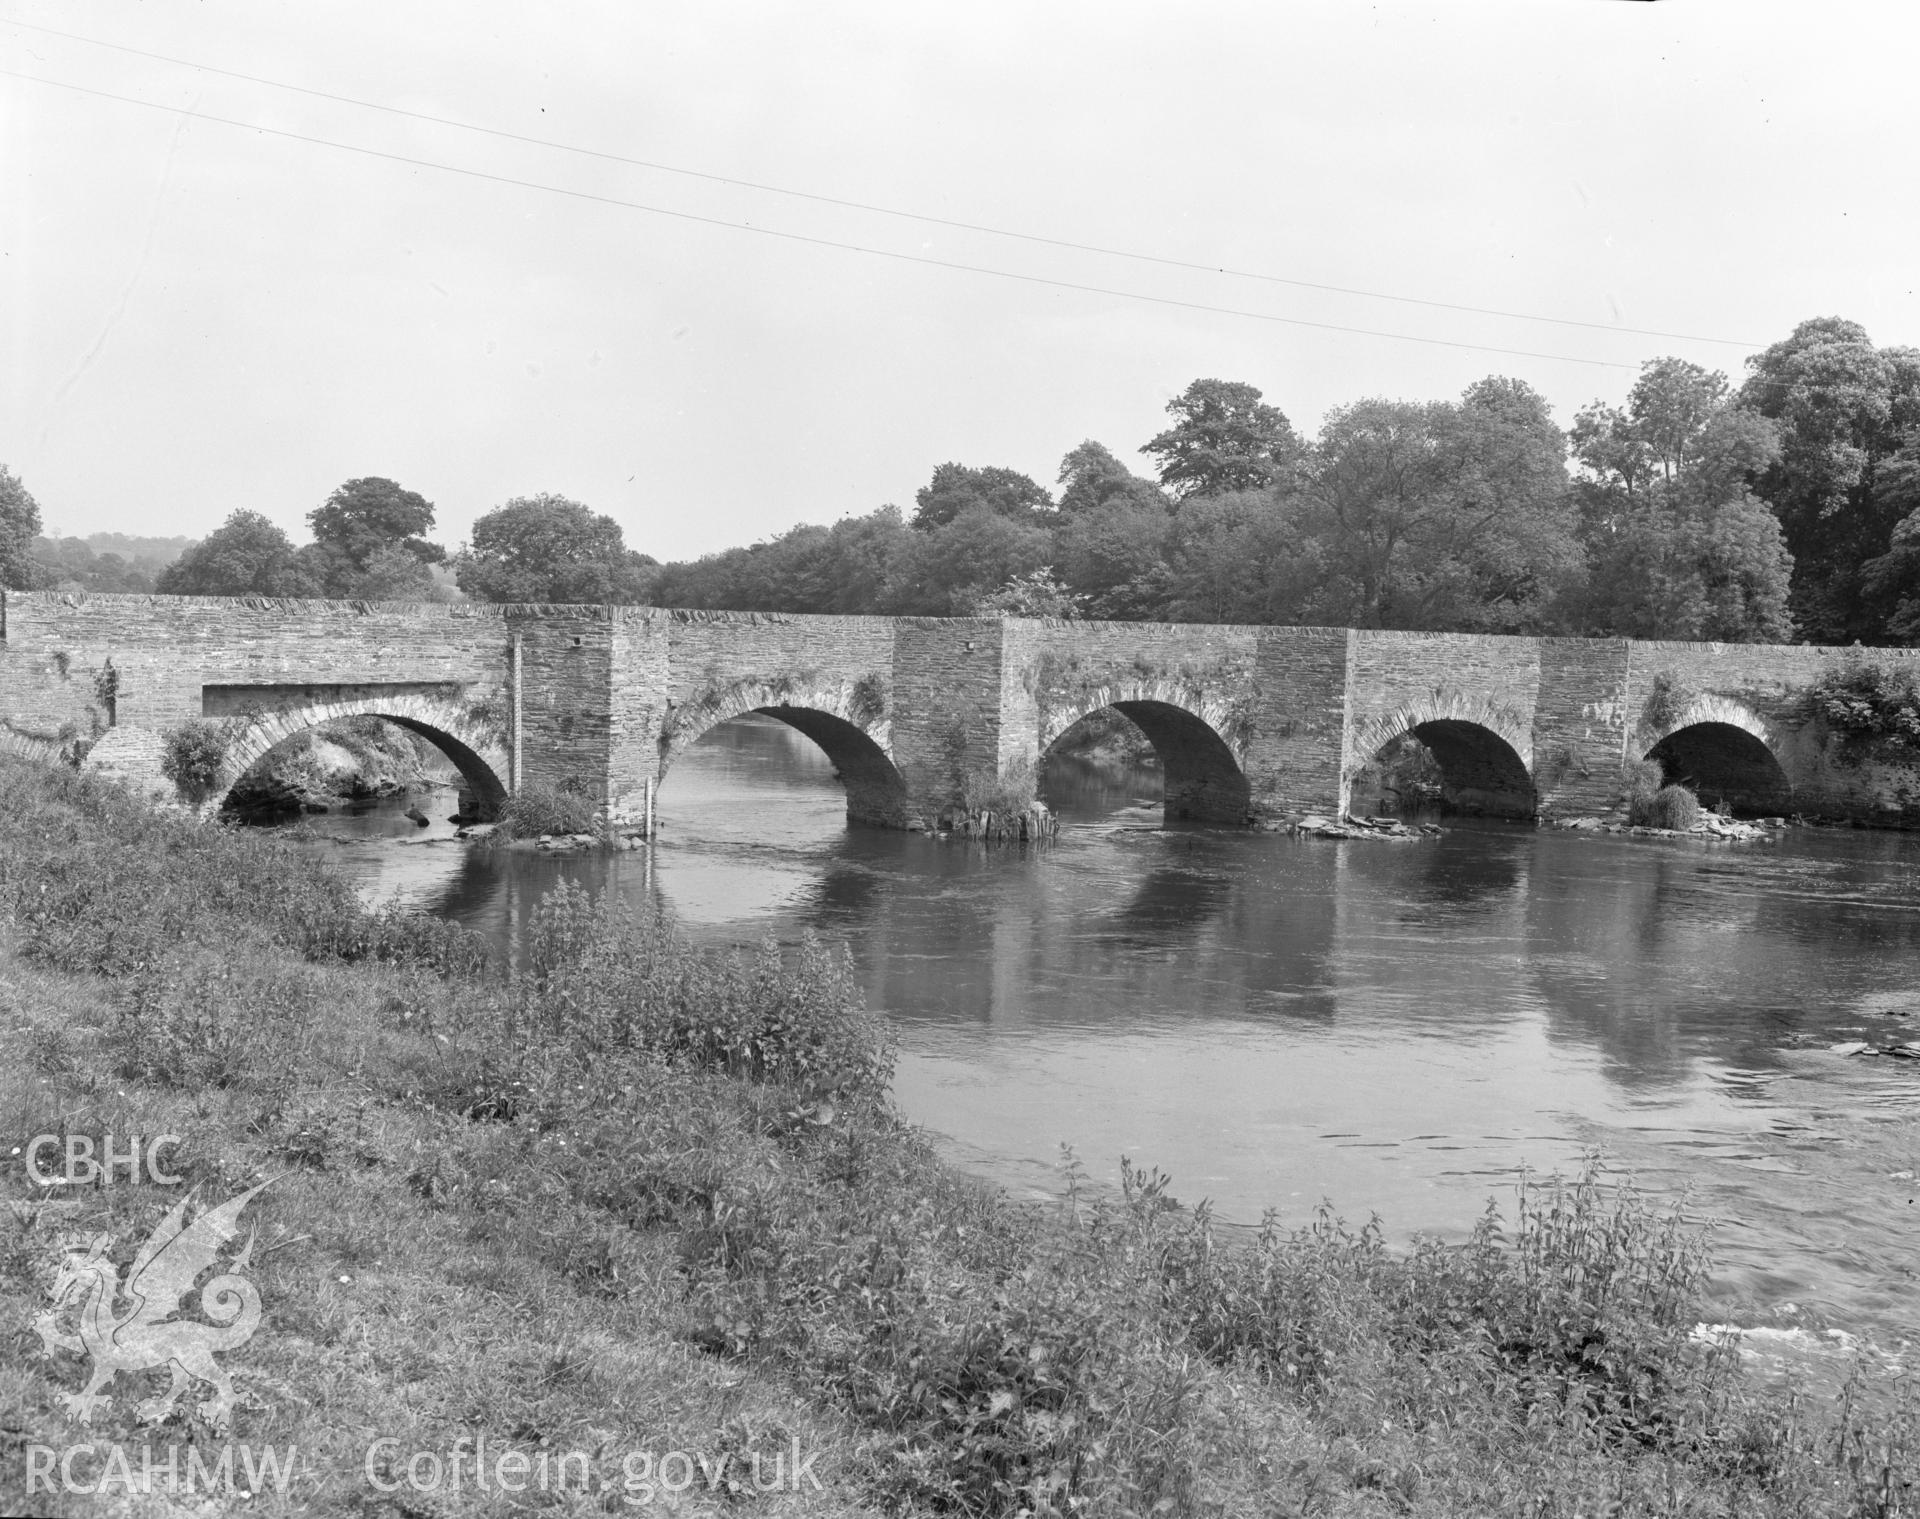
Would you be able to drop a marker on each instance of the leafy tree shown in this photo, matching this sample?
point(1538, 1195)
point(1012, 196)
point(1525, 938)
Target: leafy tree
point(1090, 477)
point(19, 526)
point(360, 518)
point(956, 489)
point(1114, 555)
point(547, 548)
point(860, 561)
point(945, 571)
point(1439, 515)
point(1678, 546)
point(1238, 557)
point(848, 568)
point(393, 574)
point(1891, 581)
point(1518, 546)
point(1110, 541)
point(1843, 408)
point(1225, 438)
point(245, 556)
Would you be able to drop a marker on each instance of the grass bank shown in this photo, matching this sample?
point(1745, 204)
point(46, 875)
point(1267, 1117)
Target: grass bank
point(639, 1199)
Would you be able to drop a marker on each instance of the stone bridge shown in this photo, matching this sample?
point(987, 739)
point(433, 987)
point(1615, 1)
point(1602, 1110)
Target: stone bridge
point(922, 716)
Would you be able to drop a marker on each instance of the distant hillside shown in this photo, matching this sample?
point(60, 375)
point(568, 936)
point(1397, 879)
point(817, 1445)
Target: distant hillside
point(130, 546)
point(105, 561)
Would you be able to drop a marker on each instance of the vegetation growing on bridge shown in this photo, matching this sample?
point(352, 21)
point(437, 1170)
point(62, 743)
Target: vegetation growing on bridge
point(1871, 706)
point(1667, 702)
point(668, 1194)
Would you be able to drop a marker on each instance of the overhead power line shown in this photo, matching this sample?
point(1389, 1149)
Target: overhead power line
point(879, 210)
point(817, 242)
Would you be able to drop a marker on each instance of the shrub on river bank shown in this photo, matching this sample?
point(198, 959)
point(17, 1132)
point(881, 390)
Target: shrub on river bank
point(191, 756)
point(636, 1196)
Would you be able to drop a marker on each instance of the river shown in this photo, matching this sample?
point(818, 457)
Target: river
point(1392, 1027)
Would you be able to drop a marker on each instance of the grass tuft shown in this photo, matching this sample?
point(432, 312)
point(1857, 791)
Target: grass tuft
point(534, 810)
point(1672, 807)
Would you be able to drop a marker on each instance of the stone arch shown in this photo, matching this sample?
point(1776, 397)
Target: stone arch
point(476, 751)
point(1722, 750)
point(1205, 780)
point(849, 723)
point(1484, 750)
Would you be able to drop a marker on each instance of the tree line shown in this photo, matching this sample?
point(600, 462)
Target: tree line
point(1786, 506)
point(369, 543)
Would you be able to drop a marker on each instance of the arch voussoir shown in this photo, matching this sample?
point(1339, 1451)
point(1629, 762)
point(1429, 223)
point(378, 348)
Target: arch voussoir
point(691, 720)
point(1197, 735)
point(1712, 708)
point(1512, 727)
point(1727, 753)
point(1484, 749)
point(1217, 712)
point(852, 730)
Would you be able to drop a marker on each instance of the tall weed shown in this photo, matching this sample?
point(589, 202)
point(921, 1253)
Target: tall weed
point(198, 1019)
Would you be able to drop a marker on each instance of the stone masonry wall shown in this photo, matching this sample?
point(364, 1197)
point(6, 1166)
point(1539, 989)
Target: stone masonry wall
point(947, 704)
point(945, 708)
point(638, 676)
point(1297, 745)
point(166, 649)
point(566, 677)
point(1579, 724)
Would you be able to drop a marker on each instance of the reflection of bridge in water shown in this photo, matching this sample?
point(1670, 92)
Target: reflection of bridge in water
point(925, 715)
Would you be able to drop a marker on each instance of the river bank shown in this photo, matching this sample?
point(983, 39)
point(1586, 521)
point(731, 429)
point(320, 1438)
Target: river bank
point(677, 1230)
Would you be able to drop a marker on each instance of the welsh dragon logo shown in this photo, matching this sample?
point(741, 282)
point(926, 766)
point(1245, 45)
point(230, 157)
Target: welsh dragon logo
point(144, 1334)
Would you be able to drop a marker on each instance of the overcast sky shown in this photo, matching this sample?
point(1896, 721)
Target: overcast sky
point(198, 316)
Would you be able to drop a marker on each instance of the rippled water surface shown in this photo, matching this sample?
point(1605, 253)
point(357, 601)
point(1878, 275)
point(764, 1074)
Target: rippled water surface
point(1395, 1027)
